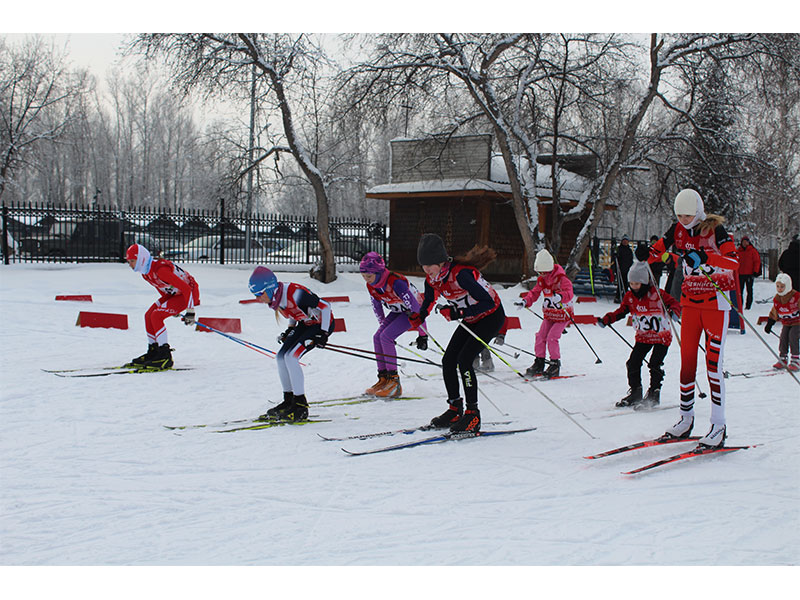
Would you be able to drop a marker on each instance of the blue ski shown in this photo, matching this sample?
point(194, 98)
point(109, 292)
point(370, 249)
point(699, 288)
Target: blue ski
point(436, 439)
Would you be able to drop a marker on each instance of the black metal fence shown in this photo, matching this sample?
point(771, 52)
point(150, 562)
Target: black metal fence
point(71, 234)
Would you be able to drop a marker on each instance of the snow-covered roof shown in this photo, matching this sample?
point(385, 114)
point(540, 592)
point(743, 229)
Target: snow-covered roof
point(572, 184)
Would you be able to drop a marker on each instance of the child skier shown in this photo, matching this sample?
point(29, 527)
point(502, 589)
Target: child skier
point(786, 309)
point(179, 292)
point(471, 298)
point(653, 332)
point(709, 267)
point(556, 290)
point(391, 291)
point(310, 320)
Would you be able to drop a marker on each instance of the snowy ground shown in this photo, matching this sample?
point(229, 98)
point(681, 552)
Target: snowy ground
point(89, 475)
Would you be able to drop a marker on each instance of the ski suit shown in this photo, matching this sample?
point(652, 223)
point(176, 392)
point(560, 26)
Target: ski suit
point(786, 310)
point(468, 292)
point(653, 332)
point(393, 292)
point(179, 291)
point(704, 309)
point(308, 315)
point(557, 308)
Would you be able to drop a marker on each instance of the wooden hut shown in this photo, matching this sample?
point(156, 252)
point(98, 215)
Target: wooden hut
point(454, 186)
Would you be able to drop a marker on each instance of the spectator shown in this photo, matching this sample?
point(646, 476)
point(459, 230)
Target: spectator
point(789, 261)
point(749, 269)
point(624, 262)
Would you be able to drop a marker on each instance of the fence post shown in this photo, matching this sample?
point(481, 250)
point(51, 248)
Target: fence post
point(5, 234)
point(222, 231)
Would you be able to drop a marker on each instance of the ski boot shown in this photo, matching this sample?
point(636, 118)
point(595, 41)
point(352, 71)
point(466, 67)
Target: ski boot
point(160, 360)
point(470, 421)
point(553, 369)
point(536, 369)
point(141, 360)
point(794, 365)
point(650, 401)
point(299, 409)
point(681, 430)
point(281, 410)
point(633, 398)
point(487, 366)
point(455, 410)
point(782, 363)
point(382, 380)
point(715, 438)
point(392, 388)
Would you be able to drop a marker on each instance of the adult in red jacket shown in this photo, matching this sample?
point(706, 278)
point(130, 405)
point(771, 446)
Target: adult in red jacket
point(179, 292)
point(749, 268)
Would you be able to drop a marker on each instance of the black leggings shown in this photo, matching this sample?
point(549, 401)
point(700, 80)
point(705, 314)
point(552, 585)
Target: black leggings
point(461, 352)
point(634, 364)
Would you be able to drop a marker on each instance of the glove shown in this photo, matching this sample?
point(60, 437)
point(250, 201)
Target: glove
point(601, 321)
point(500, 340)
point(519, 303)
point(282, 337)
point(768, 326)
point(416, 320)
point(189, 317)
point(422, 342)
point(318, 340)
point(452, 313)
point(695, 258)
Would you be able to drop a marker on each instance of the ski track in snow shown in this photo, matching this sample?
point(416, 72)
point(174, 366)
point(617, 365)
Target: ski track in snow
point(91, 477)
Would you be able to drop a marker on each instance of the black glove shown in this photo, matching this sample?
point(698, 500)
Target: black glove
point(601, 321)
point(768, 326)
point(318, 340)
point(519, 303)
point(500, 339)
point(695, 258)
point(422, 342)
point(282, 337)
point(189, 317)
point(452, 313)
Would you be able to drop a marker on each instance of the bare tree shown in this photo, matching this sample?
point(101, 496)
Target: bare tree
point(282, 61)
point(37, 98)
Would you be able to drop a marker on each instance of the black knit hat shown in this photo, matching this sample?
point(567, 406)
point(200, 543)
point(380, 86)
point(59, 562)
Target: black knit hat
point(431, 250)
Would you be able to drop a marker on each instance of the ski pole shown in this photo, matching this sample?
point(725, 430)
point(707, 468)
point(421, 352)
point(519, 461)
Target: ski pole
point(755, 330)
point(245, 343)
point(520, 349)
point(598, 361)
point(545, 396)
point(425, 361)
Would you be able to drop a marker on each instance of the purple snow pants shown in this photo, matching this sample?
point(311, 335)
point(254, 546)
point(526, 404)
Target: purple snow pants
point(393, 326)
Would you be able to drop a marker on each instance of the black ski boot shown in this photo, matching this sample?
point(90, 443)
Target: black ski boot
point(470, 421)
point(455, 408)
point(141, 360)
point(299, 409)
point(553, 369)
point(536, 369)
point(633, 398)
point(280, 411)
point(650, 401)
point(160, 360)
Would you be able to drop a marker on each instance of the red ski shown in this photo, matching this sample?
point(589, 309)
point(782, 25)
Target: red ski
point(694, 452)
point(645, 444)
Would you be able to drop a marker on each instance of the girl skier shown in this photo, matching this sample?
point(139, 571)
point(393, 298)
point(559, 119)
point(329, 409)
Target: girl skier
point(786, 309)
point(310, 320)
point(179, 292)
point(471, 298)
point(709, 268)
point(653, 332)
point(391, 291)
point(556, 290)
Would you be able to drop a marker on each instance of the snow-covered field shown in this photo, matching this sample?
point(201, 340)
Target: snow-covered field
point(89, 475)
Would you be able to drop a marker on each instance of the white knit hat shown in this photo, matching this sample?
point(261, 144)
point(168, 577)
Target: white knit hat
point(544, 262)
point(786, 281)
point(689, 202)
point(638, 273)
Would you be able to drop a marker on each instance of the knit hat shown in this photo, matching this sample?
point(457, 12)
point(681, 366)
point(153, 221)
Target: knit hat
point(544, 262)
point(786, 281)
point(142, 256)
point(638, 273)
point(372, 262)
point(689, 202)
point(431, 250)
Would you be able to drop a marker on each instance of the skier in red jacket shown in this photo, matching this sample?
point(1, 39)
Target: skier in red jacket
point(179, 292)
point(749, 269)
